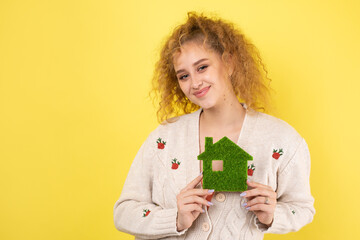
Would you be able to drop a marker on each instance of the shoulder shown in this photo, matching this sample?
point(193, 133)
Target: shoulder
point(276, 128)
point(284, 137)
point(275, 136)
point(176, 123)
point(177, 127)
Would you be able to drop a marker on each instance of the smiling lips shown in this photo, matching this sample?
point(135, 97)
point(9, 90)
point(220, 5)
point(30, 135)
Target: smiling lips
point(202, 92)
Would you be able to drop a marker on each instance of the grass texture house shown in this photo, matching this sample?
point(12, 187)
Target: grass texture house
point(234, 175)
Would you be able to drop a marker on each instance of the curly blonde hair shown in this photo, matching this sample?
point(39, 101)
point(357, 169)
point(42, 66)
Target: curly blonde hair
point(249, 78)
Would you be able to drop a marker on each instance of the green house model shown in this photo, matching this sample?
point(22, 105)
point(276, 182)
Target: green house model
point(234, 174)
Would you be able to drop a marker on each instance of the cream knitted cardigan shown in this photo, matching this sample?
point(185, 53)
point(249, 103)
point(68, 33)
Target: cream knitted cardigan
point(147, 205)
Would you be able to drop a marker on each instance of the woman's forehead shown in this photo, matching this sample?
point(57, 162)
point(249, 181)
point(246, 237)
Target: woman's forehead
point(192, 51)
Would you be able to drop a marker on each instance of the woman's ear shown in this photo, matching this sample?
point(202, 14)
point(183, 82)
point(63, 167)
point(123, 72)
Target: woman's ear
point(229, 63)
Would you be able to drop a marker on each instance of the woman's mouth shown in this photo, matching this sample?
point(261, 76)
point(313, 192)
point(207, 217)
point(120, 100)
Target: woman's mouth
point(202, 92)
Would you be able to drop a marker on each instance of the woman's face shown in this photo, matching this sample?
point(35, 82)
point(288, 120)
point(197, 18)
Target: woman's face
point(202, 75)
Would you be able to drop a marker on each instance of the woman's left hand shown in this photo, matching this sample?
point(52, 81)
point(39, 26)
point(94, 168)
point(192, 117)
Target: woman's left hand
point(261, 199)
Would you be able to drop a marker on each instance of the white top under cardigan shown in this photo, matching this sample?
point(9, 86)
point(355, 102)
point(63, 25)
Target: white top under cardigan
point(152, 184)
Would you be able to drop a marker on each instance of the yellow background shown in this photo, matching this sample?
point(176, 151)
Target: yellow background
point(74, 78)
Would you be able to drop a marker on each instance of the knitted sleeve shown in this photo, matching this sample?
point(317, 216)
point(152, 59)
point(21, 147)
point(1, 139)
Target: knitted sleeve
point(294, 207)
point(134, 212)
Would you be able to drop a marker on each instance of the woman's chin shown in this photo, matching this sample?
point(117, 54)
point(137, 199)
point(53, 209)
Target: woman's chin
point(207, 106)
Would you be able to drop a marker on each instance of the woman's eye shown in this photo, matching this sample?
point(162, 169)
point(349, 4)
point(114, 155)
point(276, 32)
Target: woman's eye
point(203, 67)
point(183, 76)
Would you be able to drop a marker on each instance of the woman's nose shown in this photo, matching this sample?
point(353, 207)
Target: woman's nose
point(196, 82)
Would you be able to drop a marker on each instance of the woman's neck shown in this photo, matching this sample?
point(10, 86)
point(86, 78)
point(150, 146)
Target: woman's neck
point(227, 116)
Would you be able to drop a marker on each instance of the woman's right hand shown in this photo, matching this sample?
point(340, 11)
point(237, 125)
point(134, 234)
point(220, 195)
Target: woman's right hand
point(189, 203)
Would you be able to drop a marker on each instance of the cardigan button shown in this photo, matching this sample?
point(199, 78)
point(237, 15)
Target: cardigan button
point(220, 197)
point(205, 227)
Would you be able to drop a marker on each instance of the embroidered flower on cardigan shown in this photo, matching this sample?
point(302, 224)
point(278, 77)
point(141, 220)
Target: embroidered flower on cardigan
point(277, 153)
point(175, 164)
point(293, 212)
point(161, 143)
point(146, 212)
point(251, 169)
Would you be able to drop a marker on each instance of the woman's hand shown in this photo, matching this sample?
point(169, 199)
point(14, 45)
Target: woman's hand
point(261, 199)
point(189, 203)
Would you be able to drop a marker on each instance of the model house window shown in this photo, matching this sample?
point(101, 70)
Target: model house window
point(217, 165)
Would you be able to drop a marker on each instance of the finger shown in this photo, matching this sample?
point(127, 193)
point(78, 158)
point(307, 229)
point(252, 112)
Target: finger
point(258, 192)
point(197, 191)
point(250, 198)
point(196, 199)
point(261, 207)
point(256, 184)
point(196, 214)
point(193, 183)
point(191, 208)
point(258, 200)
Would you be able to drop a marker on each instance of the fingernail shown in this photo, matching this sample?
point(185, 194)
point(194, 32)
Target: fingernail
point(210, 203)
point(211, 190)
point(200, 173)
point(244, 204)
point(248, 181)
point(242, 194)
point(247, 208)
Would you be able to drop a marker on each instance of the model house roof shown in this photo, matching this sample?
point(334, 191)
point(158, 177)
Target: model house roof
point(224, 149)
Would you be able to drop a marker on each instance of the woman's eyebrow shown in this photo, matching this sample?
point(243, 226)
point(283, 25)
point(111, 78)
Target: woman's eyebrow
point(194, 64)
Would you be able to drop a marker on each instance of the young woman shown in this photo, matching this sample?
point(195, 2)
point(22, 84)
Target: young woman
point(211, 83)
